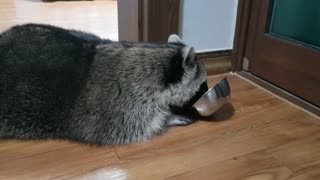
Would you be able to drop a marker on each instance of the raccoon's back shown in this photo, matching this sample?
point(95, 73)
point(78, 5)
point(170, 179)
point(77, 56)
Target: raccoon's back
point(42, 69)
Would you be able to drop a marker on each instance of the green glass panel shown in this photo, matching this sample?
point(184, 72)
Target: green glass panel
point(296, 20)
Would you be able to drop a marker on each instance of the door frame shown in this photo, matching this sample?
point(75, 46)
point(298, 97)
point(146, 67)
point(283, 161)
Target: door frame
point(240, 35)
point(242, 47)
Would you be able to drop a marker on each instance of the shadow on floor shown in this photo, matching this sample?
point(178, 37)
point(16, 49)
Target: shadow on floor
point(224, 113)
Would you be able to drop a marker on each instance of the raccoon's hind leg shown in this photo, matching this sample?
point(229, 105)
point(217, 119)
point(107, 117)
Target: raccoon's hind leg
point(177, 120)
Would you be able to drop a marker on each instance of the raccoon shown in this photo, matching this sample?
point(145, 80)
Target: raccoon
point(66, 84)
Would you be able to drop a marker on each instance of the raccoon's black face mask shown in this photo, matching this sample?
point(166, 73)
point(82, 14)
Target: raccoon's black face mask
point(187, 109)
point(191, 69)
point(202, 90)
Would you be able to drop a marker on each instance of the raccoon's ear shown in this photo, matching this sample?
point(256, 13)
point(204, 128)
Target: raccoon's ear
point(188, 54)
point(173, 38)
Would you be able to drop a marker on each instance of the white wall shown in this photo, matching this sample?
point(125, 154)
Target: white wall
point(208, 25)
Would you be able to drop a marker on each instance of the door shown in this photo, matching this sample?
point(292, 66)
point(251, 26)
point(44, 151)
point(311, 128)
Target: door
point(284, 45)
point(148, 20)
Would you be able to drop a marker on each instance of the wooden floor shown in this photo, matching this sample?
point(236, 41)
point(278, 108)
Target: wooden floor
point(256, 136)
point(98, 17)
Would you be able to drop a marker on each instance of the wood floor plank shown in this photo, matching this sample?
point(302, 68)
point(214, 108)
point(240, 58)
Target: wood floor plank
point(311, 175)
point(13, 149)
point(260, 121)
point(241, 110)
point(259, 165)
point(256, 136)
point(61, 163)
point(300, 156)
point(98, 17)
point(255, 121)
point(181, 157)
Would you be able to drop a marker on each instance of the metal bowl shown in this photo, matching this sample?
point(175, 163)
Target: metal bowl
point(214, 98)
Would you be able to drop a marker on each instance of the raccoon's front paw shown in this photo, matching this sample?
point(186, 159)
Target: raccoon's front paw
point(179, 121)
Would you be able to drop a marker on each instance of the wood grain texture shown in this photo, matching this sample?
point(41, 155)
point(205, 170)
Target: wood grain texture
point(241, 33)
point(160, 19)
point(301, 155)
point(252, 166)
point(216, 62)
point(287, 64)
point(256, 136)
point(98, 17)
point(148, 20)
point(311, 175)
point(128, 20)
point(282, 93)
point(56, 163)
point(217, 65)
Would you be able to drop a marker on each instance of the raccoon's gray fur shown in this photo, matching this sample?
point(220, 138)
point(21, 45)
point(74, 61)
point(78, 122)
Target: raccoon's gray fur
point(66, 84)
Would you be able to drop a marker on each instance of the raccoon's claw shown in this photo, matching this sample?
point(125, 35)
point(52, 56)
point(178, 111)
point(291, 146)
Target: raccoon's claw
point(179, 121)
